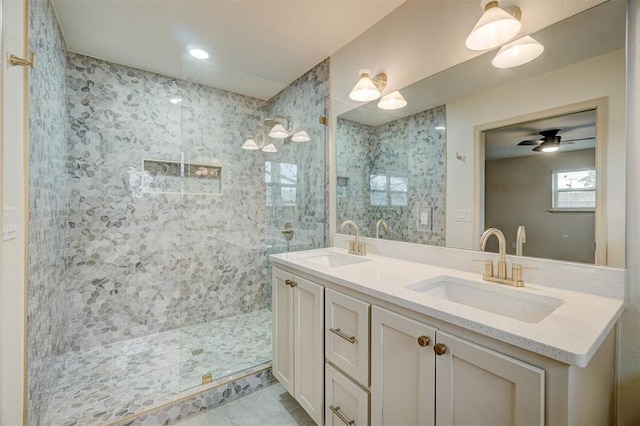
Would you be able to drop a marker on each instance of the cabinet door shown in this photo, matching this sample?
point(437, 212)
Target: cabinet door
point(346, 402)
point(309, 347)
point(282, 309)
point(347, 335)
point(479, 386)
point(402, 370)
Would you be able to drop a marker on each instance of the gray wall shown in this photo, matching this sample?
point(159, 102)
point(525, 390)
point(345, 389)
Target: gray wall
point(47, 317)
point(411, 147)
point(518, 191)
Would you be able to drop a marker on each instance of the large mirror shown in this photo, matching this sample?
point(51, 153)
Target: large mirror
point(459, 158)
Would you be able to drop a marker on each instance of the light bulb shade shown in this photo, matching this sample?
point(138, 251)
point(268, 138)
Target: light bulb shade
point(250, 144)
point(269, 148)
point(278, 132)
point(518, 52)
point(548, 145)
point(301, 136)
point(365, 89)
point(393, 100)
point(495, 27)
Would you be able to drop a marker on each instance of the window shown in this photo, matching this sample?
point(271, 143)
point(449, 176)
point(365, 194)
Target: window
point(388, 190)
point(574, 190)
point(281, 180)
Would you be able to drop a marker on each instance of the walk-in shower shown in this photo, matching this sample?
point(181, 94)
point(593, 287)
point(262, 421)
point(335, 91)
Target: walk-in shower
point(168, 227)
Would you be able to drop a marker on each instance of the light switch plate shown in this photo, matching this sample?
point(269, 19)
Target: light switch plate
point(463, 215)
point(9, 223)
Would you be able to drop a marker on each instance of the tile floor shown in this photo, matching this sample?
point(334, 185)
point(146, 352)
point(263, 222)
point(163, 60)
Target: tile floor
point(269, 406)
point(104, 384)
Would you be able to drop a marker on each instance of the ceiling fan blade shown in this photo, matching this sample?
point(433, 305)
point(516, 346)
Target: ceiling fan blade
point(530, 142)
point(578, 139)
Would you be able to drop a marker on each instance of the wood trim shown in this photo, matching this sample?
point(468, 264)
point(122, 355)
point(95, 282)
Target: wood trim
point(601, 106)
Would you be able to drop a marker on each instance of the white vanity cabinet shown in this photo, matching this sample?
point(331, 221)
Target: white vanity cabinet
point(374, 361)
point(298, 350)
point(421, 375)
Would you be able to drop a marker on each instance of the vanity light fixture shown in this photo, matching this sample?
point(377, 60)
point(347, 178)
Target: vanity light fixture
point(368, 89)
point(496, 26)
point(198, 53)
point(518, 52)
point(393, 100)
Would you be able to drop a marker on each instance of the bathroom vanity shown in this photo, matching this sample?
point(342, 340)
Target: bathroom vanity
point(378, 340)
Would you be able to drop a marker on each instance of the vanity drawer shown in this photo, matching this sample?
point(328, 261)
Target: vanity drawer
point(347, 335)
point(346, 403)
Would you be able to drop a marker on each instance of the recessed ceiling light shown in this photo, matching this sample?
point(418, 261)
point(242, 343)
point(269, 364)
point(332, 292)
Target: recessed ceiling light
point(198, 53)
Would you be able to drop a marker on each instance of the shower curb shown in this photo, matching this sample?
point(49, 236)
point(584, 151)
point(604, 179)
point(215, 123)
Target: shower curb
point(200, 400)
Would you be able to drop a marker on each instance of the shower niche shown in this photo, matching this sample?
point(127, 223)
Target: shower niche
point(178, 177)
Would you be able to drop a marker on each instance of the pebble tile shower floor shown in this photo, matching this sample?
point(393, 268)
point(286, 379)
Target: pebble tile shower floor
point(104, 384)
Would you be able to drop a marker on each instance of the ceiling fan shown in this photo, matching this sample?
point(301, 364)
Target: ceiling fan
point(550, 141)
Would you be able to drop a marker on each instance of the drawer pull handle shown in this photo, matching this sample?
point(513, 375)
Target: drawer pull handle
point(290, 283)
point(350, 339)
point(424, 341)
point(345, 420)
point(440, 349)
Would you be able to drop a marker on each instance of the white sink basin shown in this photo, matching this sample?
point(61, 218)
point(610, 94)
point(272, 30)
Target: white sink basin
point(501, 300)
point(334, 260)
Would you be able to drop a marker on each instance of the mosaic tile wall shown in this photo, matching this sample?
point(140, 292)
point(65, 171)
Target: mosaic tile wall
point(47, 205)
point(352, 154)
point(305, 101)
point(128, 250)
point(412, 148)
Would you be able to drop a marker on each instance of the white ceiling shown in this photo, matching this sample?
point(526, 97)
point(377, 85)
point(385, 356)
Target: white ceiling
point(257, 47)
point(576, 132)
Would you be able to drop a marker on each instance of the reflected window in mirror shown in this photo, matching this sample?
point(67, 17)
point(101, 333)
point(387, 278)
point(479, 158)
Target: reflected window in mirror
point(388, 190)
point(281, 183)
point(574, 190)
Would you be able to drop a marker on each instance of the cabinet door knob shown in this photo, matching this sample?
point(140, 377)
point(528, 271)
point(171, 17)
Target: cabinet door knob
point(424, 341)
point(440, 349)
point(290, 283)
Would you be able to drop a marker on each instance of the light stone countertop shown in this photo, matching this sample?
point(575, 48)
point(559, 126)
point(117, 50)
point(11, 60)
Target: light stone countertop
point(571, 333)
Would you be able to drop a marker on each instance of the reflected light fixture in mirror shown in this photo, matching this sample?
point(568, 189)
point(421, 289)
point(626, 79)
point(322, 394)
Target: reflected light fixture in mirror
point(278, 132)
point(368, 89)
point(517, 53)
point(301, 136)
point(549, 145)
point(250, 144)
point(496, 26)
point(393, 100)
point(269, 148)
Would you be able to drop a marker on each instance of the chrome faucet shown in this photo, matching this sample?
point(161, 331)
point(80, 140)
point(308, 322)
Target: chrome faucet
point(502, 248)
point(384, 225)
point(521, 238)
point(516, 269)
point(355, 247)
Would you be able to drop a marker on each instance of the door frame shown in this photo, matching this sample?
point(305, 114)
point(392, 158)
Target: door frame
point(601, 107)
